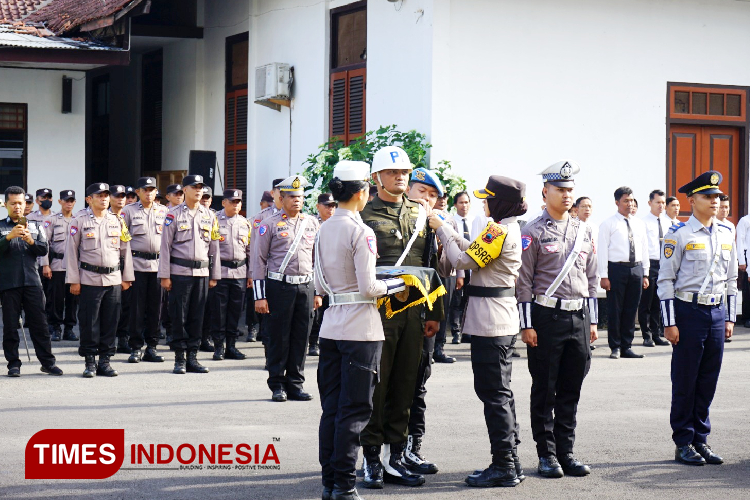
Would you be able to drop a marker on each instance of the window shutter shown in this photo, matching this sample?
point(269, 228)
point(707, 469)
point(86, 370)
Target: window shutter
point(235, 161)
point(348, 92)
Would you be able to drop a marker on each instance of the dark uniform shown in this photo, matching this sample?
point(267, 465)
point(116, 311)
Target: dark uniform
point(45, 221)
point(21, 289)
point(123, 325)
point(698, 292)
point(557, 287)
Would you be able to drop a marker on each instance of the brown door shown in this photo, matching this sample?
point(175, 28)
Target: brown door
point(694, 149)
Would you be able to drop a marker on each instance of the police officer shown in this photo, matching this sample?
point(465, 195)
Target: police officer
point(188, 266)
point(326, 208)
point(282, 276)
point(145, 219)
point(236, 277)
point(44, 215)
point(62, 307)
point(557, 303)
point(207, 344)
point(130, 195)
point(21, 243)
point(117, 202)
point(174, 196)
point(351, 335)
point(698, 268)
point(29, 205)
point(494, 258)
point(97, 247)
point(402, 239)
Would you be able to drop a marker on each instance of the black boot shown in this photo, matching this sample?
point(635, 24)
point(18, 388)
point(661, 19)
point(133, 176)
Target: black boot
point(517, 461)
point(179, 362)
point(372, 468)
point(345, 494)
point(135, 356)
point(207, 344)
point(394, 470)
point(440, 356)
point(265, 357)
point(314, 350)
point(69, 334)
point(232, 351)
point(218, 351)
point(192, 365)
point(104, 367)
point(90, 370)
point(550, 467)
point(413, 459)
point(54, 333)
point(502, 472)
point(252, 333)
point(122, 345)
point(152, 356)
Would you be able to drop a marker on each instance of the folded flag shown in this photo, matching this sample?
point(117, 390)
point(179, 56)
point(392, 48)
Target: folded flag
point(423, 286)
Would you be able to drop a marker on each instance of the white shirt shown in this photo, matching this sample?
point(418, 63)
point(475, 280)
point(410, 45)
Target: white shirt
point(652, 223)
point(478, 225)
point(460, 223)
point(742, 232)
point(614, 245)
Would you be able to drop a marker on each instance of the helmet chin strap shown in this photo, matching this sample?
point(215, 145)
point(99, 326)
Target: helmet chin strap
point(383, 186)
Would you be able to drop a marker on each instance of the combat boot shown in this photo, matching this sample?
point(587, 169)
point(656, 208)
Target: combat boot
point(218, 351)
point(413, 459)
point(54, 333)
point(152, 356)
point(192, 365)
point(90, 370)
point(69, 334)
point(135, 356)
point(372, 468)
point(232, 351)
point(517, 462)
point(104, 367)
point(314, 350)
point(179, 362)
point(502, 472)
point(207, 344)
point(122, 345)
point(394, 470)
point(252, 333)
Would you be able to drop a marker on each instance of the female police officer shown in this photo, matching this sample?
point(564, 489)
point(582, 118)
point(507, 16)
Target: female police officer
point(351, 336)
point(491, 318)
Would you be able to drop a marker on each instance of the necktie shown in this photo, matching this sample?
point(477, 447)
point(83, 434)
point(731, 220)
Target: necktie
point(466, 229)
point(661, 232)
point(631, 241)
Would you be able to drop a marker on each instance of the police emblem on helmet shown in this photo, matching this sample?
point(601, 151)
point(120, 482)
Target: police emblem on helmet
point(714, 179)
point(296, 183)
point(566, 170)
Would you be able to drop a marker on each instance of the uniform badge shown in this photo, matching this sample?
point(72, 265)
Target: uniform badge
point(526, 242)
point(668, 250)
point(281, 224)
point(90, 235)
point(46, 224)
point(184, 227)
point(553, 248)
point(263, 229)
point(283, 234)
point(726, 246)
point(73, 230)
point(283, 216)
point(256, 223)
point(493, 231)
point(221, 238)
point(714, 179)
point(419, 175)
point(695, 246)
point(169, 219)
point(372, 244)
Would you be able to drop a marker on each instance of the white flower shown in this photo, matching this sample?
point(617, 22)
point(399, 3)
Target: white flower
point(345, 154)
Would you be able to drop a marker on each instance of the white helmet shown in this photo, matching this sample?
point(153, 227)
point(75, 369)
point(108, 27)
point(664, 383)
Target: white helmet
point(390, 157)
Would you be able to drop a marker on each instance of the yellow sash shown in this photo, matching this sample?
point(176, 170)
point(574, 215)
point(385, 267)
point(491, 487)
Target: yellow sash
point(488, 245)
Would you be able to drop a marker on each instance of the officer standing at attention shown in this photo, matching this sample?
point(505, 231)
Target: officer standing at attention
point(401, 231)
point(130, 196)
point(98, 245)
point(282, 278)
point(21, 243)
point(117, 202)
point(207, 344)
point(62, 307)
point(174, 197)
point(145, 219)
point(349, 363)
point(29, 205)
point(188, 266)
point(236, 277)
point(326, 208)
point(44, 217)
point(557, 287)
point(698, 269)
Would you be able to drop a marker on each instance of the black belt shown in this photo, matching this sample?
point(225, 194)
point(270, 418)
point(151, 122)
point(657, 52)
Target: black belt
point(145, 255)
point(233, 264)
point(627, 264)
point(193, 264)
point(489, 291)
point(99, 269)
point(55, 255)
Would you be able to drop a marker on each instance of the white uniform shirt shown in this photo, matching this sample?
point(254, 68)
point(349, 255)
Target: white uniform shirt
point(614, 245)
point(743, 232)
point(469, 223)
point(652, 223)
point(478, 225)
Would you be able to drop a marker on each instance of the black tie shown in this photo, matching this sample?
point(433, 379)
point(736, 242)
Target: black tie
point(467, 236)
point(661, 231)
point(466, 229)
point(631, 241)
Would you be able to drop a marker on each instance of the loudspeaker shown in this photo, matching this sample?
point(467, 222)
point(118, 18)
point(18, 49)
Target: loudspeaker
point(67, 95)
point(203, 163)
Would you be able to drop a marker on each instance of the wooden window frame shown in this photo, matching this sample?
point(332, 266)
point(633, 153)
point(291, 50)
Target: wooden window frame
point(709, 90)
point(348, 137)
point(25, 130)
point(234, 92)
point(335, 13)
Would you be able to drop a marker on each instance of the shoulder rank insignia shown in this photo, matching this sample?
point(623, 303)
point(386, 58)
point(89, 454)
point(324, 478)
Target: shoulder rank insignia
point(677, 226)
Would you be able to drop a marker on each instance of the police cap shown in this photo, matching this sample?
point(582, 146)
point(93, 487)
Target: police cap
point(561, 173)
point(96, 188)
point(503, 187)
point(706, 183)
point(67, 194)
point(146, 182)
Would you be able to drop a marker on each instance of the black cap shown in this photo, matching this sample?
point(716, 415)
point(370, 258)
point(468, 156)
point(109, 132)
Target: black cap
point(174, 188)
point(706, 183)
point(28, 198)
point(326, 199)
point(232, 194)
point(117, 190)
point(129, 190)
point(207, 191)
point(192, 180)
point(145, 182)
point(503, 187)
point(68, 194)
point(267, 197)
point(99, 187)
point(159, 195)
point(44, 192)
point(276, 182)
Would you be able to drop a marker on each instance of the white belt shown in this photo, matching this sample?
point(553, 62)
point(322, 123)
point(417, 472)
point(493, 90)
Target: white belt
point(565, 305)
point(340, 299)
point(706, 299)
point(292, 280)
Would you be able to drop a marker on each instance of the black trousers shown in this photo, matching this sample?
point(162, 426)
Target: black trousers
point(744, 285)
point(31, 300)
point(63, 305)
point(557, 366)
point(649, 313)
point(164, 311)
point(144, 310)
point(226, 308)
point(187, 304)
point(288, 329)
point(46, 284)
point(98, 315)
point(317, 321)
point(622, 304)
point(251, 317)
point(450, 286)
point(208, 311)
point(347, 374)
point(123, 325)
point(417, 419)
point(492, 364)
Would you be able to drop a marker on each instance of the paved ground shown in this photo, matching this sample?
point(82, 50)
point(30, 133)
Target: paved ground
point(623, 429)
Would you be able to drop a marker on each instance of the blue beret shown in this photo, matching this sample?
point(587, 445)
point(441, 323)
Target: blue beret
point(429, 178)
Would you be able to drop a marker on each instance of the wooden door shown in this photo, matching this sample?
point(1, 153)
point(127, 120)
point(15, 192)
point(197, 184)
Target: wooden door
point(694, 149)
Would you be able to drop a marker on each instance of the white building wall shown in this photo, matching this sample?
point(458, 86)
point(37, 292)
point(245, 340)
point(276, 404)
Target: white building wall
point(180, 102)
point(56, 145)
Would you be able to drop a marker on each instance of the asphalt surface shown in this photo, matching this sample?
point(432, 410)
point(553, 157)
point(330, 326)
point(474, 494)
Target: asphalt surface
point(623, 429)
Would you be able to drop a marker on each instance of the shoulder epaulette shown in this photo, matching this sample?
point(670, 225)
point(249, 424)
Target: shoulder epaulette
point(677, 226)
point(725, 227)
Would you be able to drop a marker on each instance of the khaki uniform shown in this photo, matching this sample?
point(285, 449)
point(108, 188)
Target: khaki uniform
point(59, 301)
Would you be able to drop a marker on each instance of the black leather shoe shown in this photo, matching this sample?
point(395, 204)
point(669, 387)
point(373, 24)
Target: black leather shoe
point(233, 353)
point(413, 459)
point(708, 454)
point(372, 468)
point(104, 368)
point(394, 470)
point(441, 357)
point(661, 341)
point(593, 347)
point(571, 466)
point(162, 335)
point(206, 346)
point(122, 345)
point(628, 353)
point(465, 338)
point(69, 334)
point(252, 333)
point(495, 475)
point(299, 396)
point(55, 335)
point(279, 396)
point(179, 362)
point(514, 354)
point(648, 343)
point(315, 351)
point(327, 492)
point(218, 351)
point(517, 462)
point(341, 494)
point(550, 467)
point(90, 370)
point(192, 365)
point(14, 372)
point(456, 338)
point(688, 456)
point(52, 370)
point(135, 356)
point(152, 356)
point(615, 354)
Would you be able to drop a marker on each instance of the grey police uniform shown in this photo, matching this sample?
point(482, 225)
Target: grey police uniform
point(44, 222)
point(261, 318)
point(61, 301)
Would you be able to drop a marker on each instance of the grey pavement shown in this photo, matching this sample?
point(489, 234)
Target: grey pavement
point(623, 429)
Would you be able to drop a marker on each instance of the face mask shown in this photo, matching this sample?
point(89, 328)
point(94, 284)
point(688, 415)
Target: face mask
point(46, 204)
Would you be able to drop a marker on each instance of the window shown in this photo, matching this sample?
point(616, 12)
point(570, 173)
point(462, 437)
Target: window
point(13, 145)
point(235, 146)
point(707, 103)
point(348, 72)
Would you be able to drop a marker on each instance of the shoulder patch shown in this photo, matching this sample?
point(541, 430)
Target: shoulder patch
point(263, 229)
point(73, 230)
point(677, 226)
point(526, 241)
point(372, 244)
point(668, 249)
point(169, 219)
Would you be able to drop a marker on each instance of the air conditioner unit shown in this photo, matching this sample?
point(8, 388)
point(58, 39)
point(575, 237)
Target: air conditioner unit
point(273, 81)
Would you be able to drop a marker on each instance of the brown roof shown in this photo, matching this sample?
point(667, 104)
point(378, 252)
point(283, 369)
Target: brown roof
point(14, 10)
point(64, 15)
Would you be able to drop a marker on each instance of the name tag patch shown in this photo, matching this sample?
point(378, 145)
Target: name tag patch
point(725, 246)
point(695, 246)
